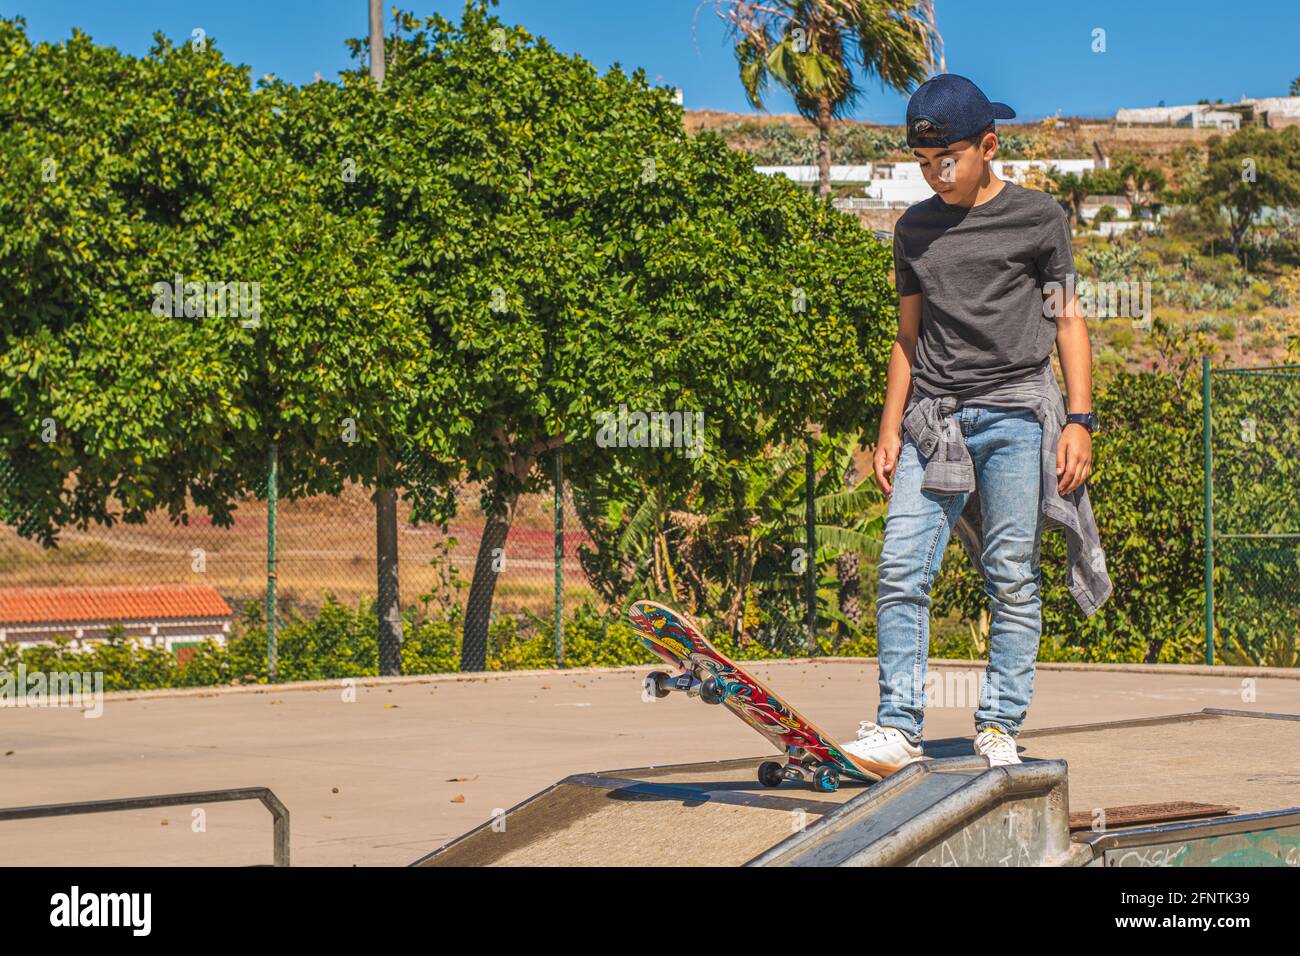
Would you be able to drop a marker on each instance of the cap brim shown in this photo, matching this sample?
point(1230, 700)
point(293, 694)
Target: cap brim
point(1002, 111)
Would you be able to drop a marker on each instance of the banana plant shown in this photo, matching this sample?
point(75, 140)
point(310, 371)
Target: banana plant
point(734, 539)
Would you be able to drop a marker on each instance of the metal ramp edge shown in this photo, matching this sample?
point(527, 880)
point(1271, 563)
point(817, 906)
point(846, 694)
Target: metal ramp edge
point(949, 811)
point(1268, 838)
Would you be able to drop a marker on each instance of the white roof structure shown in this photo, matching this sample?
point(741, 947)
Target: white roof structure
point(1209, 114)
point(1162, 115)
point(1279, 104)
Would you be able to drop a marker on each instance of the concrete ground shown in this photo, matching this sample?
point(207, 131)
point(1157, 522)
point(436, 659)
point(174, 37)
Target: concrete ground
point(383, 772)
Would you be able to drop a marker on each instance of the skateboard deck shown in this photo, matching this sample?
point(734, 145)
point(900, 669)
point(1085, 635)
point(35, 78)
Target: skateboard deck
point(701, 670)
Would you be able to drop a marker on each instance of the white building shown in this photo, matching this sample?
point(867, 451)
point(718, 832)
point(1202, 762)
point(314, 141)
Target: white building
point(899, 185)
point(171, 616)
point(1275, 111)
point(1092, 205)
point(1195, 115)
point(1211, 119)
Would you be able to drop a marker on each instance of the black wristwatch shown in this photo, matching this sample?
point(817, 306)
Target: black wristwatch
point(1087, 419)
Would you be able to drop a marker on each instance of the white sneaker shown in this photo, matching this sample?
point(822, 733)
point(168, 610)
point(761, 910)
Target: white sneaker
point(998, 745)
point(882, 750)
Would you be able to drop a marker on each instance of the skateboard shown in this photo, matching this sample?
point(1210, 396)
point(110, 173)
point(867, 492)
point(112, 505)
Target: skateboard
point(701, 671)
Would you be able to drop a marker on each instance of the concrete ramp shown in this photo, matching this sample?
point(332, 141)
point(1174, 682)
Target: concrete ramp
point(705, 814)
point(1215, 788)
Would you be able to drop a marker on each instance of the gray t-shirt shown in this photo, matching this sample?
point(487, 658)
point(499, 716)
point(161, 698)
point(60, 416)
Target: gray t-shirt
point(980, 272)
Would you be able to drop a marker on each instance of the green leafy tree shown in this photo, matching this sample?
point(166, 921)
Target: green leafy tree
point(570, 251)
point(116, 169)
point(458, 271)
point(1248, 171)
point(130, 172)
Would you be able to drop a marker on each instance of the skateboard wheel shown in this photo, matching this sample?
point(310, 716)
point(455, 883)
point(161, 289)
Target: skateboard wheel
point(826, 779)
point(654, 684)
point(771, 773)
point(711, 692)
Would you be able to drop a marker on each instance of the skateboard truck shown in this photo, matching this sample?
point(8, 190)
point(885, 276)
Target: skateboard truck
point(799, 765)
point(660, 684)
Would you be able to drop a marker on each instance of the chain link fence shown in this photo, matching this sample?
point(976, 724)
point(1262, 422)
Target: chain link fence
point(1252, 513)
point(323, 552)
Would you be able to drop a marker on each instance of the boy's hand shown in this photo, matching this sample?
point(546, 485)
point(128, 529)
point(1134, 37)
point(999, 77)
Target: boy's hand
point(1073, 458)
point(884, 460)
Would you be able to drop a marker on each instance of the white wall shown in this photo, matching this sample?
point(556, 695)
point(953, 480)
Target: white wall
point(906, 185)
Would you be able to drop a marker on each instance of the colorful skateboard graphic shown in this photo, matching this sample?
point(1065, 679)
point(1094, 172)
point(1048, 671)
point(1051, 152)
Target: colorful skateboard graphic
point(701, 671)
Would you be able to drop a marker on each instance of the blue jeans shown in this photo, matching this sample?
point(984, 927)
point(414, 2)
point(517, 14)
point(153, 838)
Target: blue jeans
point(1005, 445)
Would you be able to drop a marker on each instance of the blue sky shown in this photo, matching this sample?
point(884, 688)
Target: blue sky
point(1036, 56)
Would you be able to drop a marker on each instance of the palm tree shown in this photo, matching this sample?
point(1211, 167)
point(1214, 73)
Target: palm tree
point(927, 7)
point(1072, 189)
point(812, 47)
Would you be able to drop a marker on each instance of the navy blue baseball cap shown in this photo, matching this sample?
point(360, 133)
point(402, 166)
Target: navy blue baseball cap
point(956, 106)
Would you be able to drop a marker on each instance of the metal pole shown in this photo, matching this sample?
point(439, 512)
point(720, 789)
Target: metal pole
point(559, 556)
point(388, 610)
point(272, 664)
point(810, 529)
point(1209, 511)
point(377, 42)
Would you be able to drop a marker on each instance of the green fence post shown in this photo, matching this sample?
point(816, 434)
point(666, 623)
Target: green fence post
point(559, 556)
point(1209, 511)
point(810, 541)
point(272, 463)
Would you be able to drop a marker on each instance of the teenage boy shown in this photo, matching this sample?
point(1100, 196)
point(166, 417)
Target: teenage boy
point(975, 435)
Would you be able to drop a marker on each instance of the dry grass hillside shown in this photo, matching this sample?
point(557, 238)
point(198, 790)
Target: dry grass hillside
point(1062, 137)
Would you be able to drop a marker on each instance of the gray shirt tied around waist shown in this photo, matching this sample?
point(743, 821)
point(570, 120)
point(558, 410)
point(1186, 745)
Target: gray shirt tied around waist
point(929, 420)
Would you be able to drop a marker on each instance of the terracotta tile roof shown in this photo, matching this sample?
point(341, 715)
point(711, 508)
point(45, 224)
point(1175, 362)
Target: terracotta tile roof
point(49, 605)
